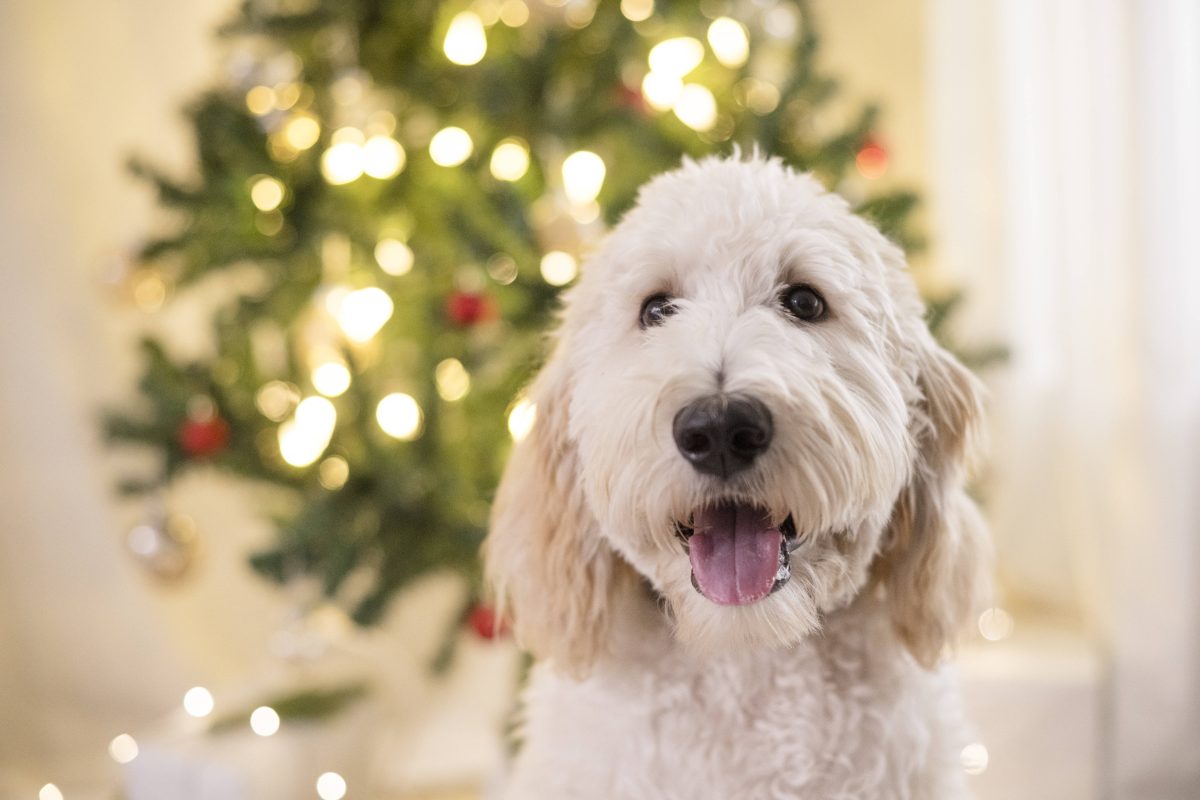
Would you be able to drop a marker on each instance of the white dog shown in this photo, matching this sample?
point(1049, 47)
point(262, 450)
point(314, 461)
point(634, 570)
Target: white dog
point(737, 536)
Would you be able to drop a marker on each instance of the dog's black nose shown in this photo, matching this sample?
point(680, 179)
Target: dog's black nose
point(722, 435)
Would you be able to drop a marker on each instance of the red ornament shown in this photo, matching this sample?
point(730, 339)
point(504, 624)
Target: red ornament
point(631, 98)
point(465, 309)
point(486, 623)
point(871, 160)
point(201, 438)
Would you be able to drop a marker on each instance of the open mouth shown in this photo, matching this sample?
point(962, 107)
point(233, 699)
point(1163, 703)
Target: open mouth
point(738, 556)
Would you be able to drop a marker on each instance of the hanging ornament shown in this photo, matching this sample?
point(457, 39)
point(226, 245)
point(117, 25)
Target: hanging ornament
point(633, 99)
point(465, 309)
point(165, 544)
point(204, 433)
point(872, 159)
point(483, 620)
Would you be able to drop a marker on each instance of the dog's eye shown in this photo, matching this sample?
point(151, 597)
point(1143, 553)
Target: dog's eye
point(804, 302)
point(655, 310)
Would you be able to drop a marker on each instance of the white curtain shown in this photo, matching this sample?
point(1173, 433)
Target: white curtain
point(1066, 149)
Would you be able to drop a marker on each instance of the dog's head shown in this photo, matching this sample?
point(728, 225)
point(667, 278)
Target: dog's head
point(745, 406)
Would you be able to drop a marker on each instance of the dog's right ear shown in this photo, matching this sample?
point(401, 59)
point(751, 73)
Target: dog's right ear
point(548, 566)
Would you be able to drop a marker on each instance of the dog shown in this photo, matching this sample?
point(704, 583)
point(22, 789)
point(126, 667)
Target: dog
point(736, 537)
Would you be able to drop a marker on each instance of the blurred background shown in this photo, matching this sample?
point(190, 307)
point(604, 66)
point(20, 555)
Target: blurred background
point(262, 359)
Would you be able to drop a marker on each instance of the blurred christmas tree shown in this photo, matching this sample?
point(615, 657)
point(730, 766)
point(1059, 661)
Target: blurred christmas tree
point(391, 193)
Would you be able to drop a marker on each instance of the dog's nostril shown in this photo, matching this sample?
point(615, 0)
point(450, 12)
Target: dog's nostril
point(722, 435)
point(697, 443)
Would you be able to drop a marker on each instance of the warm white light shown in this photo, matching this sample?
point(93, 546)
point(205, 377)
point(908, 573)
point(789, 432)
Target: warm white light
point(450, 147)
point(276, 399)
point(50, 792)
point(729, 41)
point(637, 10)
point(333, 473)
point(676, 57)
point(583, 175)
point(331, 786)
point(453, 380)
point(302, 132)
point(264, 721)
point(394, 256)
point(696, 107)
point(198, 702)
point(331, 379)
point(266, 193)
point(383, 157)
point(304, 437)
point(123, 749)
point(466, 40)
point(995, 624)
point(974, 758)
point(260, 100)
point(510, 160)
point(343, 163)
point(559, 268)
point(362, 313)
point(661, 91)
point(399, 416)
point(521, 419)
point(514, 13)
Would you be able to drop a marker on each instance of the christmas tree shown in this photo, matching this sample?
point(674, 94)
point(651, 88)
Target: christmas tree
point(391, 194)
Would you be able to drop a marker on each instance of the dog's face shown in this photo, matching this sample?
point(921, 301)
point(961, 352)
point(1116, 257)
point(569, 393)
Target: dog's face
point(745, 405)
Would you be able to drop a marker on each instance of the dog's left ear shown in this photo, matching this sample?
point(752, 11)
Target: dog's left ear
point(936, 546)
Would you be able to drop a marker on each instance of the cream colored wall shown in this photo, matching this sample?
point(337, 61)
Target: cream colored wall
point(875, 49)
point(84, 648)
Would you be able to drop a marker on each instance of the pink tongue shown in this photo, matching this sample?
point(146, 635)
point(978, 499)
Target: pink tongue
point(734, 553)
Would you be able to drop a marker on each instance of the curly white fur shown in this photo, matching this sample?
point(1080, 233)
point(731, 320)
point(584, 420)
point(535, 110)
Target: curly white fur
point(830, 687)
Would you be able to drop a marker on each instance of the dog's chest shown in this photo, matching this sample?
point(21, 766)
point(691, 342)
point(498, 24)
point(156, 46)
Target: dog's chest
point(808, 723)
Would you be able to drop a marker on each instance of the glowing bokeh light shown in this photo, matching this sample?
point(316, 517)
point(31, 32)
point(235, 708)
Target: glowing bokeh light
point(583, 175)
point(264, 721)
point(331, 379)
point(661, 91)
point(331, 786)
point(302, 132)
point(266, 192)
point(466, 39)
point(729, 41)
point(450, 147)
point(362, 313)
point(974, 758)
point(696, 107)
point(394, 256)
point(383, 157)
point(510, 160)
point(343, 163)
point(399, 416)
point(637, 10)
point(453, 380)
point(198, 702)
point(676, 57)
point(521, 419)
point(123, 749)
point(559, 268)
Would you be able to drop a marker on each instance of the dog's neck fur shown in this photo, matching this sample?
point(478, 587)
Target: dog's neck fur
point(844, 713)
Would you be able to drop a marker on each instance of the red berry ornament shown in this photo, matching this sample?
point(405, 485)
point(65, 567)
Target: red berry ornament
point(486, 623)
point(201, 438)
point(465, 309)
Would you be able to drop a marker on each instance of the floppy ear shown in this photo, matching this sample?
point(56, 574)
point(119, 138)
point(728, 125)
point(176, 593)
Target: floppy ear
point(936, 547)
point(543, 556)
